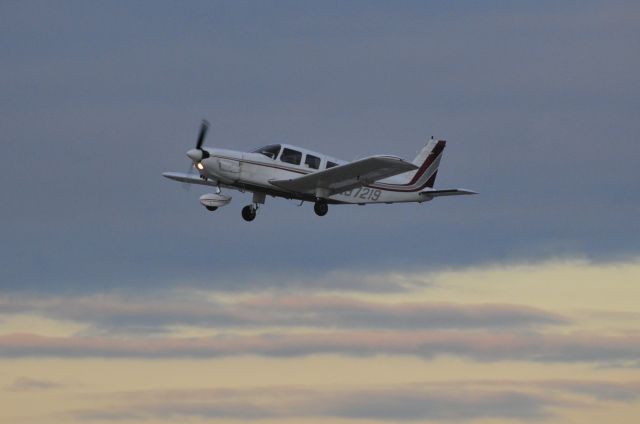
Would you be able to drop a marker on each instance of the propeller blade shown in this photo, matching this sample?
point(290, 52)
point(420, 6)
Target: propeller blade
point(203, 132)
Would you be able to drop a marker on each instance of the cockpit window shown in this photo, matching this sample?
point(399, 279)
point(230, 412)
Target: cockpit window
point(269, 151)
point(312, 161)
point(291, 156)
point(331, 164)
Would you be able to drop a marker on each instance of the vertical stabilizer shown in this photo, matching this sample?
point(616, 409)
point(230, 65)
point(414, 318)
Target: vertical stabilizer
point(427, 161)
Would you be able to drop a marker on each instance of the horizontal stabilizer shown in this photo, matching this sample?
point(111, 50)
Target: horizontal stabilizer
point(346, 177)
point(187, 178)
point(446, 192)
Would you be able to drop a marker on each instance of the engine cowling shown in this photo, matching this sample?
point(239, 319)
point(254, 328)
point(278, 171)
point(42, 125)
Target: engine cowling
point(213, 201)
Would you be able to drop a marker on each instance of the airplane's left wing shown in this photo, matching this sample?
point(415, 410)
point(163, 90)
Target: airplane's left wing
point(187, 178)
point(346, 177)
point(446, 192)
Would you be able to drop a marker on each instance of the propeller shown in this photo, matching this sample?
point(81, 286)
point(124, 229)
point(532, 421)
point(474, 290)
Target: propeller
point(199, 153)
point(204, 127)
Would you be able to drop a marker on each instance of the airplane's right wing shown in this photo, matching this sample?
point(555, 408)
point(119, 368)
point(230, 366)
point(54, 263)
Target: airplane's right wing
point(346, 177)
point(188, 178)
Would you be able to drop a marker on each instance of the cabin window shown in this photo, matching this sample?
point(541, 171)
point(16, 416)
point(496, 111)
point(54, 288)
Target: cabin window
point(312, 161)
point(331, 164)
point(269, 151)
point(291, 156)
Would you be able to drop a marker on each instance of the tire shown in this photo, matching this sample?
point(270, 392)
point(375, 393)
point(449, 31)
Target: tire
point(321, 208)
point(211, 208)
point(248, 213)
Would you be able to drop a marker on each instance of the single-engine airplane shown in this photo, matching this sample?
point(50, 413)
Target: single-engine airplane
point(283, 170)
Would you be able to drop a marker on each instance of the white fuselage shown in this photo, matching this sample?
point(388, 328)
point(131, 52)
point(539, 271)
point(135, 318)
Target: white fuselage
point(254, 171)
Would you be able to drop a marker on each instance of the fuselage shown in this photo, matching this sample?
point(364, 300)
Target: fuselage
point(253, 171)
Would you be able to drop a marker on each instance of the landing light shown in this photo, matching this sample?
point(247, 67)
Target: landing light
point(200, 166)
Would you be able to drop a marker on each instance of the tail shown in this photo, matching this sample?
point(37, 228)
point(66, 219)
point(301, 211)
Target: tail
point(427, 161)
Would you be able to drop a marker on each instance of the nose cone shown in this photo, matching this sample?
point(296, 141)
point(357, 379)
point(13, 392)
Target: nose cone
point(195, 155)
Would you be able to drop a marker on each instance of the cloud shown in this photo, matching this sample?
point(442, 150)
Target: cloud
point(113, 313)
point(406, 403)
point(28, 384)
point(596, 390)
point(347, 312)
point(599, 390)
point(477, 345)
point(437, 401)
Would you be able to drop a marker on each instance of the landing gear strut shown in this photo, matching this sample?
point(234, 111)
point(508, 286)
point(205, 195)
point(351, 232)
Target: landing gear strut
point(249, 213)
point(321, 208)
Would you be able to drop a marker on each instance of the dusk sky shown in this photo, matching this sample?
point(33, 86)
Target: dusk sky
point(123, 300)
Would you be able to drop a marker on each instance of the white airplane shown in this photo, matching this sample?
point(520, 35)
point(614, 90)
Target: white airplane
point(282, 170)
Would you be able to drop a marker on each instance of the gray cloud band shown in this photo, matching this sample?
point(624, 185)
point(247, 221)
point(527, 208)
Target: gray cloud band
point(477, 345)
point(116, 314)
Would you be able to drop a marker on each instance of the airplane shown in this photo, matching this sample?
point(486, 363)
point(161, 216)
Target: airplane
point(290, 172)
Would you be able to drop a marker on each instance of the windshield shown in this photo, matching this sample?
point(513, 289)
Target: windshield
point(270, 151)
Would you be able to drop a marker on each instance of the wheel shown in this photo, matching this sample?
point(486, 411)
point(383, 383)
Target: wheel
point(211, 208)
point(248, 213)
point(321, 208)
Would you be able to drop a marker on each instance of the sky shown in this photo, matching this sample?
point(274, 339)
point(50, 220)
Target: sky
point(123, 300)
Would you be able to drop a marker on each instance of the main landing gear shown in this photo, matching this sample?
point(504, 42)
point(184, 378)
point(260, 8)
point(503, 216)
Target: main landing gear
point(249, 213)
point(321, 208)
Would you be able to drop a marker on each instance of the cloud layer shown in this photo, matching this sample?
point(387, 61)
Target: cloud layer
point(450, 401)
point(28, 384)
point(477, 345)
point(114, 313)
